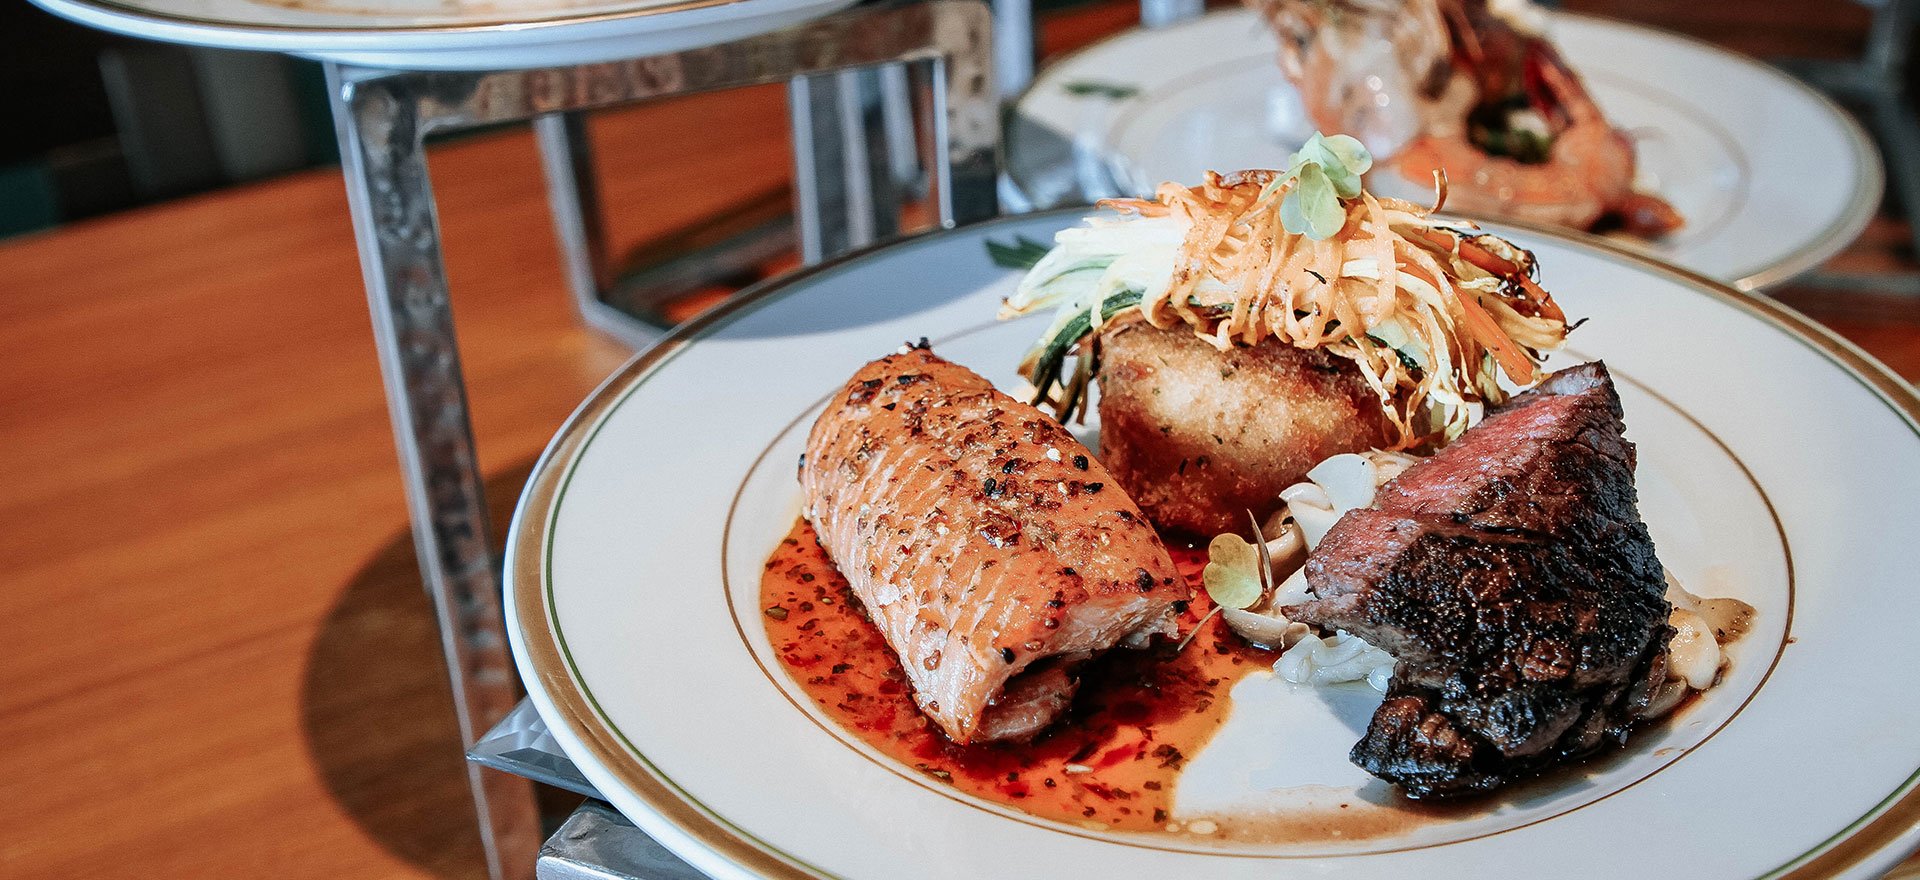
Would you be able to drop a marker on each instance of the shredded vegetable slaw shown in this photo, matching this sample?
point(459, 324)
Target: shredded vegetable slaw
point(1429, 310)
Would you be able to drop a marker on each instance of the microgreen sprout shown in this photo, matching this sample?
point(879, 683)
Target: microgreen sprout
point(1238, 574)
point(1324, 171)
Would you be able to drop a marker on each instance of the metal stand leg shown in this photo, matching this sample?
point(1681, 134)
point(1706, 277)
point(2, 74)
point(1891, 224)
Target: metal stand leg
point(846, 178)
point(833, 197)
point(1894, 120)
point(1877, 84)
point(896, 114)
point(597, 843)
point(399, 239)
point(573, 194)
point(854, 146)
point(1013, 45)
point(632, 308)
point(966, 122)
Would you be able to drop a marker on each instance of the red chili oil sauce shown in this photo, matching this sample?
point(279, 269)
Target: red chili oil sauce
point(1111, 762)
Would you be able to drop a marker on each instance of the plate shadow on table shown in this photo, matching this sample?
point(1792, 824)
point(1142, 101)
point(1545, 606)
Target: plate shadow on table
point(377, 711)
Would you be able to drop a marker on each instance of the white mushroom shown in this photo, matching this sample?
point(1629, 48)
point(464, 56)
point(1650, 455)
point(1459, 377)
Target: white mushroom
point(1348, 479)
point(1694, 654)
point(1265, 630)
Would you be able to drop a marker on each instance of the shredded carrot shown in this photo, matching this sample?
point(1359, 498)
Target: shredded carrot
point(1494, 263)
point(1472, 253)
point(1483, 328)
point(1548, 308)
point(1486, 259)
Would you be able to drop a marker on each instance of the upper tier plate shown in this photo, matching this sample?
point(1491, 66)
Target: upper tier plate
point(446, 34)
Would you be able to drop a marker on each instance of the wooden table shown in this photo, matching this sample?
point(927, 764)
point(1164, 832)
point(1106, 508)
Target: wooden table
point(218, 658)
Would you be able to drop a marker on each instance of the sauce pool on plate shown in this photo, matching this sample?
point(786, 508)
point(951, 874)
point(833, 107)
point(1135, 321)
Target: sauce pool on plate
point(1110, 764)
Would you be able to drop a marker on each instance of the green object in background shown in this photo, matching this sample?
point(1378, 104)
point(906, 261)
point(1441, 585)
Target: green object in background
point(27, 199)
point(309, 82)
point(1109, 91)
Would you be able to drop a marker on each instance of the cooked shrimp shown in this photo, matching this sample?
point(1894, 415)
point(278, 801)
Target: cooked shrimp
point(1472, 89)
point(1587, 173)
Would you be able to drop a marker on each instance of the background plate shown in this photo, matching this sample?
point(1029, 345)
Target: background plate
point(1777, 466)
point(1771, 177)
point(433, 35)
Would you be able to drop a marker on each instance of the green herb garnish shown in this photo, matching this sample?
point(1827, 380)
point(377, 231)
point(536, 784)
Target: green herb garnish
point(1024, 253)
point(1406, 360)
point(1238, 574)
point(1052, 354)
point(1110, 91)
point(1325, 170)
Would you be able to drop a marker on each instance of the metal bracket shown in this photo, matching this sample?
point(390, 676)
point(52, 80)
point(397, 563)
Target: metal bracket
point(521, 745)
point(597, 843)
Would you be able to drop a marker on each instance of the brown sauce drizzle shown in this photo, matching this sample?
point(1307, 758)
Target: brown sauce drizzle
point(1729, 618)
point(1111, 764)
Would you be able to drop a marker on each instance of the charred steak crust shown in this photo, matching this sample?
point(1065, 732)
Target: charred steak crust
point(1512, 578)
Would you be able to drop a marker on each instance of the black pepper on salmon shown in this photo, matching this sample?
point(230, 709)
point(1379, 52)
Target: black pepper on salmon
point(958, 516)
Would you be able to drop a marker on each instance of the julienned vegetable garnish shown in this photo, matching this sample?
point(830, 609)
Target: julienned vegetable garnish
point(1430, 310)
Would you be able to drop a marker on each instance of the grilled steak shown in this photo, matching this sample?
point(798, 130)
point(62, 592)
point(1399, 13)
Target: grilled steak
point(1511, 577)
point(987, 545)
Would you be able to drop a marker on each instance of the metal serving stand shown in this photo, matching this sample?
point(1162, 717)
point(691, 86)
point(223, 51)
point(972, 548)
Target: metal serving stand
point(844, 189)
point(848, 185)
point(383, 117)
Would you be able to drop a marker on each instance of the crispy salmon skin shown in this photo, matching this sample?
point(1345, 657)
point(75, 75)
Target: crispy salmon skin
point(986, 544)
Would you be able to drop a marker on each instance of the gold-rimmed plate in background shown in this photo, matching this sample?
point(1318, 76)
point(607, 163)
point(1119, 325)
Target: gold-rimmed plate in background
point(1772, 177)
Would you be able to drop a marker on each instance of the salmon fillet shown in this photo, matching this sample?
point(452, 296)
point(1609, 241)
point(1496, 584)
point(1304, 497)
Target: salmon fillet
point(986, 544)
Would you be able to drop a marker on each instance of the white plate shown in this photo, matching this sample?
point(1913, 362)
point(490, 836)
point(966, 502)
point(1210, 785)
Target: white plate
point(1777, 464)
point(1771, 177)
point(436, 35)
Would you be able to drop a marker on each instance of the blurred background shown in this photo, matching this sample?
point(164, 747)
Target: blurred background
point(99, 123)
point(220, 659)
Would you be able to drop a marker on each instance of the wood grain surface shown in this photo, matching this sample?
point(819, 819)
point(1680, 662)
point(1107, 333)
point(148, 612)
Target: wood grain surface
point(218, 658)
